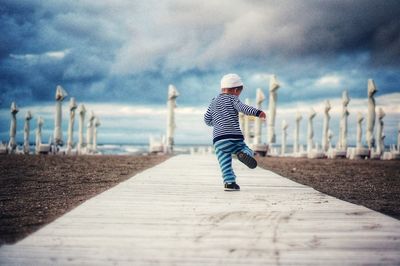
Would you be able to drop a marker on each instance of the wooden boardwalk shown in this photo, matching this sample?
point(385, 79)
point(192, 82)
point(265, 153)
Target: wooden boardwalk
point(178, 214)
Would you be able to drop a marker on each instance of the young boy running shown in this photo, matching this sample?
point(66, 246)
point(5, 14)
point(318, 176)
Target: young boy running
point(223, 115)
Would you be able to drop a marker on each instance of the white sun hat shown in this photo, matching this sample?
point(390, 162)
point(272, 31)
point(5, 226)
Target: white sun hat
point(231, 81)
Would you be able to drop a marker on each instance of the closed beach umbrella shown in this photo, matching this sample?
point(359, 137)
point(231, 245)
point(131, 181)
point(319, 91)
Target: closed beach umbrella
point(284, 135)
point(325, 129)
point(273, 88)
point(72, 108)
point(380, 148)
point(171, 105)
point(398, 137)
point(310, 130)
point(13, 128)
point(297, 133)
point(330, 136)
point(246, 127)
point(82, 112)
point(60, 95)
point(343, 122)
point(40, 122)
point(360, 119)
point(96, 125)
point(28, 117)
point(260, 97)
point(371, 113)
point(89, 131)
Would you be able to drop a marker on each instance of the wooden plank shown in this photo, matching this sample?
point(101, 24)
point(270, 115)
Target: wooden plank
point(178, 214)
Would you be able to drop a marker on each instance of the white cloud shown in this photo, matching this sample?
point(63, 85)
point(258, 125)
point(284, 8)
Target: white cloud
point(260, 77)
point(330, 80)
point(23, 56)
point(57, 54)
point(50, 54)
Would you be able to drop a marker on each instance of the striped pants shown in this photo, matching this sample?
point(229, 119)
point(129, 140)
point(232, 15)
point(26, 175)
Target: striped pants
point(224, 149)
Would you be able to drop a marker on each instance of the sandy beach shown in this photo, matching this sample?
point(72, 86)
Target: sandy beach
point(35, 190)
point(373, 184)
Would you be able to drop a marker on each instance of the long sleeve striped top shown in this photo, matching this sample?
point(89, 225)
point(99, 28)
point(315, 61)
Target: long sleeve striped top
point(223, 115)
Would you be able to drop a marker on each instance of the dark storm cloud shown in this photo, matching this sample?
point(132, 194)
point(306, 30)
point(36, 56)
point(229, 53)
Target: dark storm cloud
point(128, 51)
point(350, 27)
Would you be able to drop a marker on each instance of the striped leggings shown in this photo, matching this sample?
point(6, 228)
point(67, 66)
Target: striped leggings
point(224, 149)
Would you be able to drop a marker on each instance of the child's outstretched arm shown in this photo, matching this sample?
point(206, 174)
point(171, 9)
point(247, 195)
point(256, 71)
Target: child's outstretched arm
point(248, 110)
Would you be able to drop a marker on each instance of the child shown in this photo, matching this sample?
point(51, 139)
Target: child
point(222, 115)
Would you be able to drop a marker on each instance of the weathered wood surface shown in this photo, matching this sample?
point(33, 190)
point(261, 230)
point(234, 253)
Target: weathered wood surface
point(178, 214)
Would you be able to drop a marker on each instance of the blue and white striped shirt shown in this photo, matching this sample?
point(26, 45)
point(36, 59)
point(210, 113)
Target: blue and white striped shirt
point(223, 116)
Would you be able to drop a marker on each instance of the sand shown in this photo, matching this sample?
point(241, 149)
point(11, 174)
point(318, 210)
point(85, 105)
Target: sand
point(373, 184)
point(35, 190)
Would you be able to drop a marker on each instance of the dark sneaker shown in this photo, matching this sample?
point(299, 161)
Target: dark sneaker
point(232, 187)
point(247, 159)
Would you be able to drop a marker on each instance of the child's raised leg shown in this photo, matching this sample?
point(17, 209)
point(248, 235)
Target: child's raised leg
point(246, 156)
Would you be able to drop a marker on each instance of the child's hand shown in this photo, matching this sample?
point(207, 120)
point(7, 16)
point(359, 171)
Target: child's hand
point(263, 116)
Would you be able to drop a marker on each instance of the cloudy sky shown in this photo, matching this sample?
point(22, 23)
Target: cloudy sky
point(118, 58)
